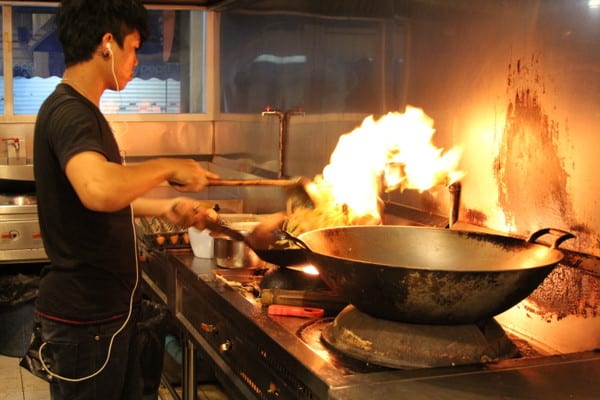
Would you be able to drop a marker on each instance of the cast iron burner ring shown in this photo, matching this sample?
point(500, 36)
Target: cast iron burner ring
point(402, 345)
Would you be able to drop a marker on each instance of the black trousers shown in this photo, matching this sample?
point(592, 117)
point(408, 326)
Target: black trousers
point(78, 351)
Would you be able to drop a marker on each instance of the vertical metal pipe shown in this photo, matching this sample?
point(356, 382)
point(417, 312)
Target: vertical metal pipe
point(284, 119)
point(189, 385)
point(282, 139)
point(454, 190)
point(283, 122)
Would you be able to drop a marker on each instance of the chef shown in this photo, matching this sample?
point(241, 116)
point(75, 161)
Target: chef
point(89, 294)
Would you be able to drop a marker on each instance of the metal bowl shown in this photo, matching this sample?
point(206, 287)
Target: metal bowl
point(230, 253)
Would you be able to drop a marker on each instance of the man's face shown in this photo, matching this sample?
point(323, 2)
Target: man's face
point(125, 60)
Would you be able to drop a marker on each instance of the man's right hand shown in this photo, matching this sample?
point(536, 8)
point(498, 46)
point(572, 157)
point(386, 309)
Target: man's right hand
point(189, 176)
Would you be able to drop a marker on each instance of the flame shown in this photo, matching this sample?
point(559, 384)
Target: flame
point(307, 269)
point(392, 153)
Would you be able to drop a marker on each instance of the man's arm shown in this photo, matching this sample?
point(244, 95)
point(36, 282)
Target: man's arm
point(182, 211)
point(106, 186)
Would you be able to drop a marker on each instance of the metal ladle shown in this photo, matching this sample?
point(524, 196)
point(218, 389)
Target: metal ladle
point(296, 188)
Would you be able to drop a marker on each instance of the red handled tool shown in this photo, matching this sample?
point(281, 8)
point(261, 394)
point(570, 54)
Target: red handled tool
point(295, 311)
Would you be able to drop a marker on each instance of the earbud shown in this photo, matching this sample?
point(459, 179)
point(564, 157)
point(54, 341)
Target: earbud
point(108, 50)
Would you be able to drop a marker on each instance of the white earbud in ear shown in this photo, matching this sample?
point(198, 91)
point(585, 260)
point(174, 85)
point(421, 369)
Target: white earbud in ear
point(108, 50)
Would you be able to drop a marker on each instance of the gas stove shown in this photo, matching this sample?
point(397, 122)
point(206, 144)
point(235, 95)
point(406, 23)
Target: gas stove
point(20, 236)
point(259, 356)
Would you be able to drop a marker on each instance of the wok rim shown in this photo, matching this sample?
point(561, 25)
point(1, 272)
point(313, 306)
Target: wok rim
point(555, 254)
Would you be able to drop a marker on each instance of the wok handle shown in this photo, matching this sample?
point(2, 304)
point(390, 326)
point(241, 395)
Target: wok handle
point(286, 235)
point(562, 236)
point(221, 227)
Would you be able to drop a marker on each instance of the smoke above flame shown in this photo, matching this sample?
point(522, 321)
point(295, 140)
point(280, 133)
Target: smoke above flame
point(392, 153)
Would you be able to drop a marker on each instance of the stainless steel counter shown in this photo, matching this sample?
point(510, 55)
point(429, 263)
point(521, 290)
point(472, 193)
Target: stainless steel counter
point(257, 356)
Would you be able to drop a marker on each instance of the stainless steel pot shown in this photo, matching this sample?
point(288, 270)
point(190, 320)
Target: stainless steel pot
point(231, 253)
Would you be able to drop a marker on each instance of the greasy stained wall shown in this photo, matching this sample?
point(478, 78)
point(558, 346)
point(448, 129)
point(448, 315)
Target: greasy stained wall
point(517, 85)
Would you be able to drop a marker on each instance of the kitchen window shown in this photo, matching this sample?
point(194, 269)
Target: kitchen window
point(169, 78)
point(318, 63)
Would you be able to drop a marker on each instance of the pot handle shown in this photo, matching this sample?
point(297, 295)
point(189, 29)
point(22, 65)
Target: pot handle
point(562, 236)
point(280, 233)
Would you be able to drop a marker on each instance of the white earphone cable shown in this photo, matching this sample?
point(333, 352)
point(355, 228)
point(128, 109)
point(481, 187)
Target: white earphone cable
point(112, 67)
point(131, 299)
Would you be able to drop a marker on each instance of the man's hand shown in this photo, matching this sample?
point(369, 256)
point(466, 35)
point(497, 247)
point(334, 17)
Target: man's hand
point(185, 211)
point(189, 176)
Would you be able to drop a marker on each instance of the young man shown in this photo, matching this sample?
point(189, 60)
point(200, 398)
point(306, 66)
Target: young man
point(89, 294)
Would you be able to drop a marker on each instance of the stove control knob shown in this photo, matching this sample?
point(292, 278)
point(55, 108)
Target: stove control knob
point(11, 235)
point(225, 346)
point(273, 391)
point(208, 328)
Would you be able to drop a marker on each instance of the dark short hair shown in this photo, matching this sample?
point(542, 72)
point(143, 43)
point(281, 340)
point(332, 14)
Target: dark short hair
point(82, 23)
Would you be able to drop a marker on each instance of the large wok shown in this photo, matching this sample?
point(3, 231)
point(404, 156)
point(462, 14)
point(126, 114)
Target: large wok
point(429, 275)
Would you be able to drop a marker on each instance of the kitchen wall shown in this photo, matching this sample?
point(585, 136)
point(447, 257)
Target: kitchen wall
point(498, 78)
point(515, 84)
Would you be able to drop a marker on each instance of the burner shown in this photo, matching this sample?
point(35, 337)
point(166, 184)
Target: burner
point(291, 279)
point(402, 345)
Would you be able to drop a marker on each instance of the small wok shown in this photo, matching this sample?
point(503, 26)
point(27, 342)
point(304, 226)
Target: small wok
point(283, 257)
point(429, 275)
point(262, 241)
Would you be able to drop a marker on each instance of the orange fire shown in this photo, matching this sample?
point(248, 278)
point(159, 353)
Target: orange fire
point(392, 153)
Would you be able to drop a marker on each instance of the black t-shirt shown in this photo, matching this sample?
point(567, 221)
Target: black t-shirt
point(92, 254)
